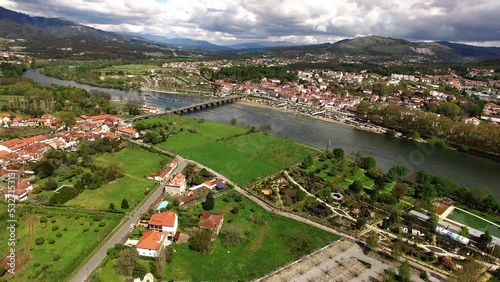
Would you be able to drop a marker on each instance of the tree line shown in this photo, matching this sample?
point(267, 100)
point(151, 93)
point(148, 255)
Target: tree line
point(484, 138)
point(254, 73)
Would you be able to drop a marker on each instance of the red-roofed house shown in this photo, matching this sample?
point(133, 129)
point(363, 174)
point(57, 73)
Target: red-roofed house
point(127, 132)
point(472, 120)
point(211, 221)
point(151, 243)
point(176, 185)
point(164, 222)
point(4, 118)
point(186, 199)
point(20, 193)
point(164, 173)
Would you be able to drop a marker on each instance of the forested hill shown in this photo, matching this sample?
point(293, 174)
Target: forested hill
point(59, 38)
point(375, 48)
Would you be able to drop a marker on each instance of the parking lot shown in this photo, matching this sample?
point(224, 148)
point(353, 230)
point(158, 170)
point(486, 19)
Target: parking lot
point(341, 262)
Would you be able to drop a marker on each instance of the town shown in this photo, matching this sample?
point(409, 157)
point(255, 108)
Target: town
point(129, 156)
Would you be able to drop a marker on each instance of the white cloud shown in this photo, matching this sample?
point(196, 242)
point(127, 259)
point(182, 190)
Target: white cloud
point(305, 21)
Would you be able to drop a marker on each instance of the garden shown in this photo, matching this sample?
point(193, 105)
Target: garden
point(53, 242)
point(251, 243)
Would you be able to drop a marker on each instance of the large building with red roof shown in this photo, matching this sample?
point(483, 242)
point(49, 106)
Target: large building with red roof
point(164, 222)
point(151, 243)
point(211, 221)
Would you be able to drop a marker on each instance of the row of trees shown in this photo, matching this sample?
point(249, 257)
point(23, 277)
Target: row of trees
point(32, 99)
point(484, 137)
point(254, 73)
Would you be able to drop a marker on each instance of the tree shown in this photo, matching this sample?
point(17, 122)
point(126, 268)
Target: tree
point(434, 219)
point(356, 186)
point(126, 261)
point(124, 204)
point(423, 275)
point(360, 223)
point(111, 207)
point(67, 119)
point(397, 249)
point(399, 190)
point(338, 153)
point(234, 121)
point(404, 272)
point(450, 110)
point(208, 205)
point(397, 172)
point(159, 263)
point(201, 241)
point(139, 270)
point(485, 238)
point(464, 231)
point(372, 242)
point(368, 162)
point(471, 271)
point(50, 185)
point(307, 162)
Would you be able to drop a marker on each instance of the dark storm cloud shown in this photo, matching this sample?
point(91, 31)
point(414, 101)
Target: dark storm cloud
point(452, 20)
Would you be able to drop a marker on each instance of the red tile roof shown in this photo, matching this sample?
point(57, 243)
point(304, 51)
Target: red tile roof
point(177, 180)
point(186, 199)
point(210, 220)
point(152, 240)
point(163, 219)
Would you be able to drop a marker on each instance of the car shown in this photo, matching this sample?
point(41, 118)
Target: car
point(132, 226)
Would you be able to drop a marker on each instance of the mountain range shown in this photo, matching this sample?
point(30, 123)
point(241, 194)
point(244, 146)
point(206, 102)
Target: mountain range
point(60, 38)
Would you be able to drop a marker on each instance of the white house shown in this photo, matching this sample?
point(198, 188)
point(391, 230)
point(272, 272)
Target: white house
point(176, 185)
point(18, 195)
point(151, 243)
point(164, 222)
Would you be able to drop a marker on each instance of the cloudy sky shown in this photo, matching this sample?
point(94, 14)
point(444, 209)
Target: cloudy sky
point(302, 21)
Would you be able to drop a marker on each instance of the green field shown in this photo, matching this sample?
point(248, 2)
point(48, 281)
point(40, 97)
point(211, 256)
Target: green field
point(4, 99)
point(239, 155)
point(473, 221)
point(264, 248)
point(132, 69)
point(137, 163)
point(79, 235)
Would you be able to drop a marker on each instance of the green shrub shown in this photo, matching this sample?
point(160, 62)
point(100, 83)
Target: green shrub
point(235, 210)
point(2, 271)
point(37, 264)
point(102, 224)
point(43, 219)
point(58, 234)
point(96, 230)
point(53, 221)
point(39, 240)
point(55, 227)
point(56, 257)
point(51, 241)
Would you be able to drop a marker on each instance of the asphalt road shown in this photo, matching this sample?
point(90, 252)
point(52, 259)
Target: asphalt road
point(84, 272)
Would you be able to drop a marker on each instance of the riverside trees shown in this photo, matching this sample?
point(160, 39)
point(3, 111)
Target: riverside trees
point(484, 137)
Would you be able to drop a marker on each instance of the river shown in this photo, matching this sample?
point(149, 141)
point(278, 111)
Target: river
point(157, 99)
point(469, 170)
